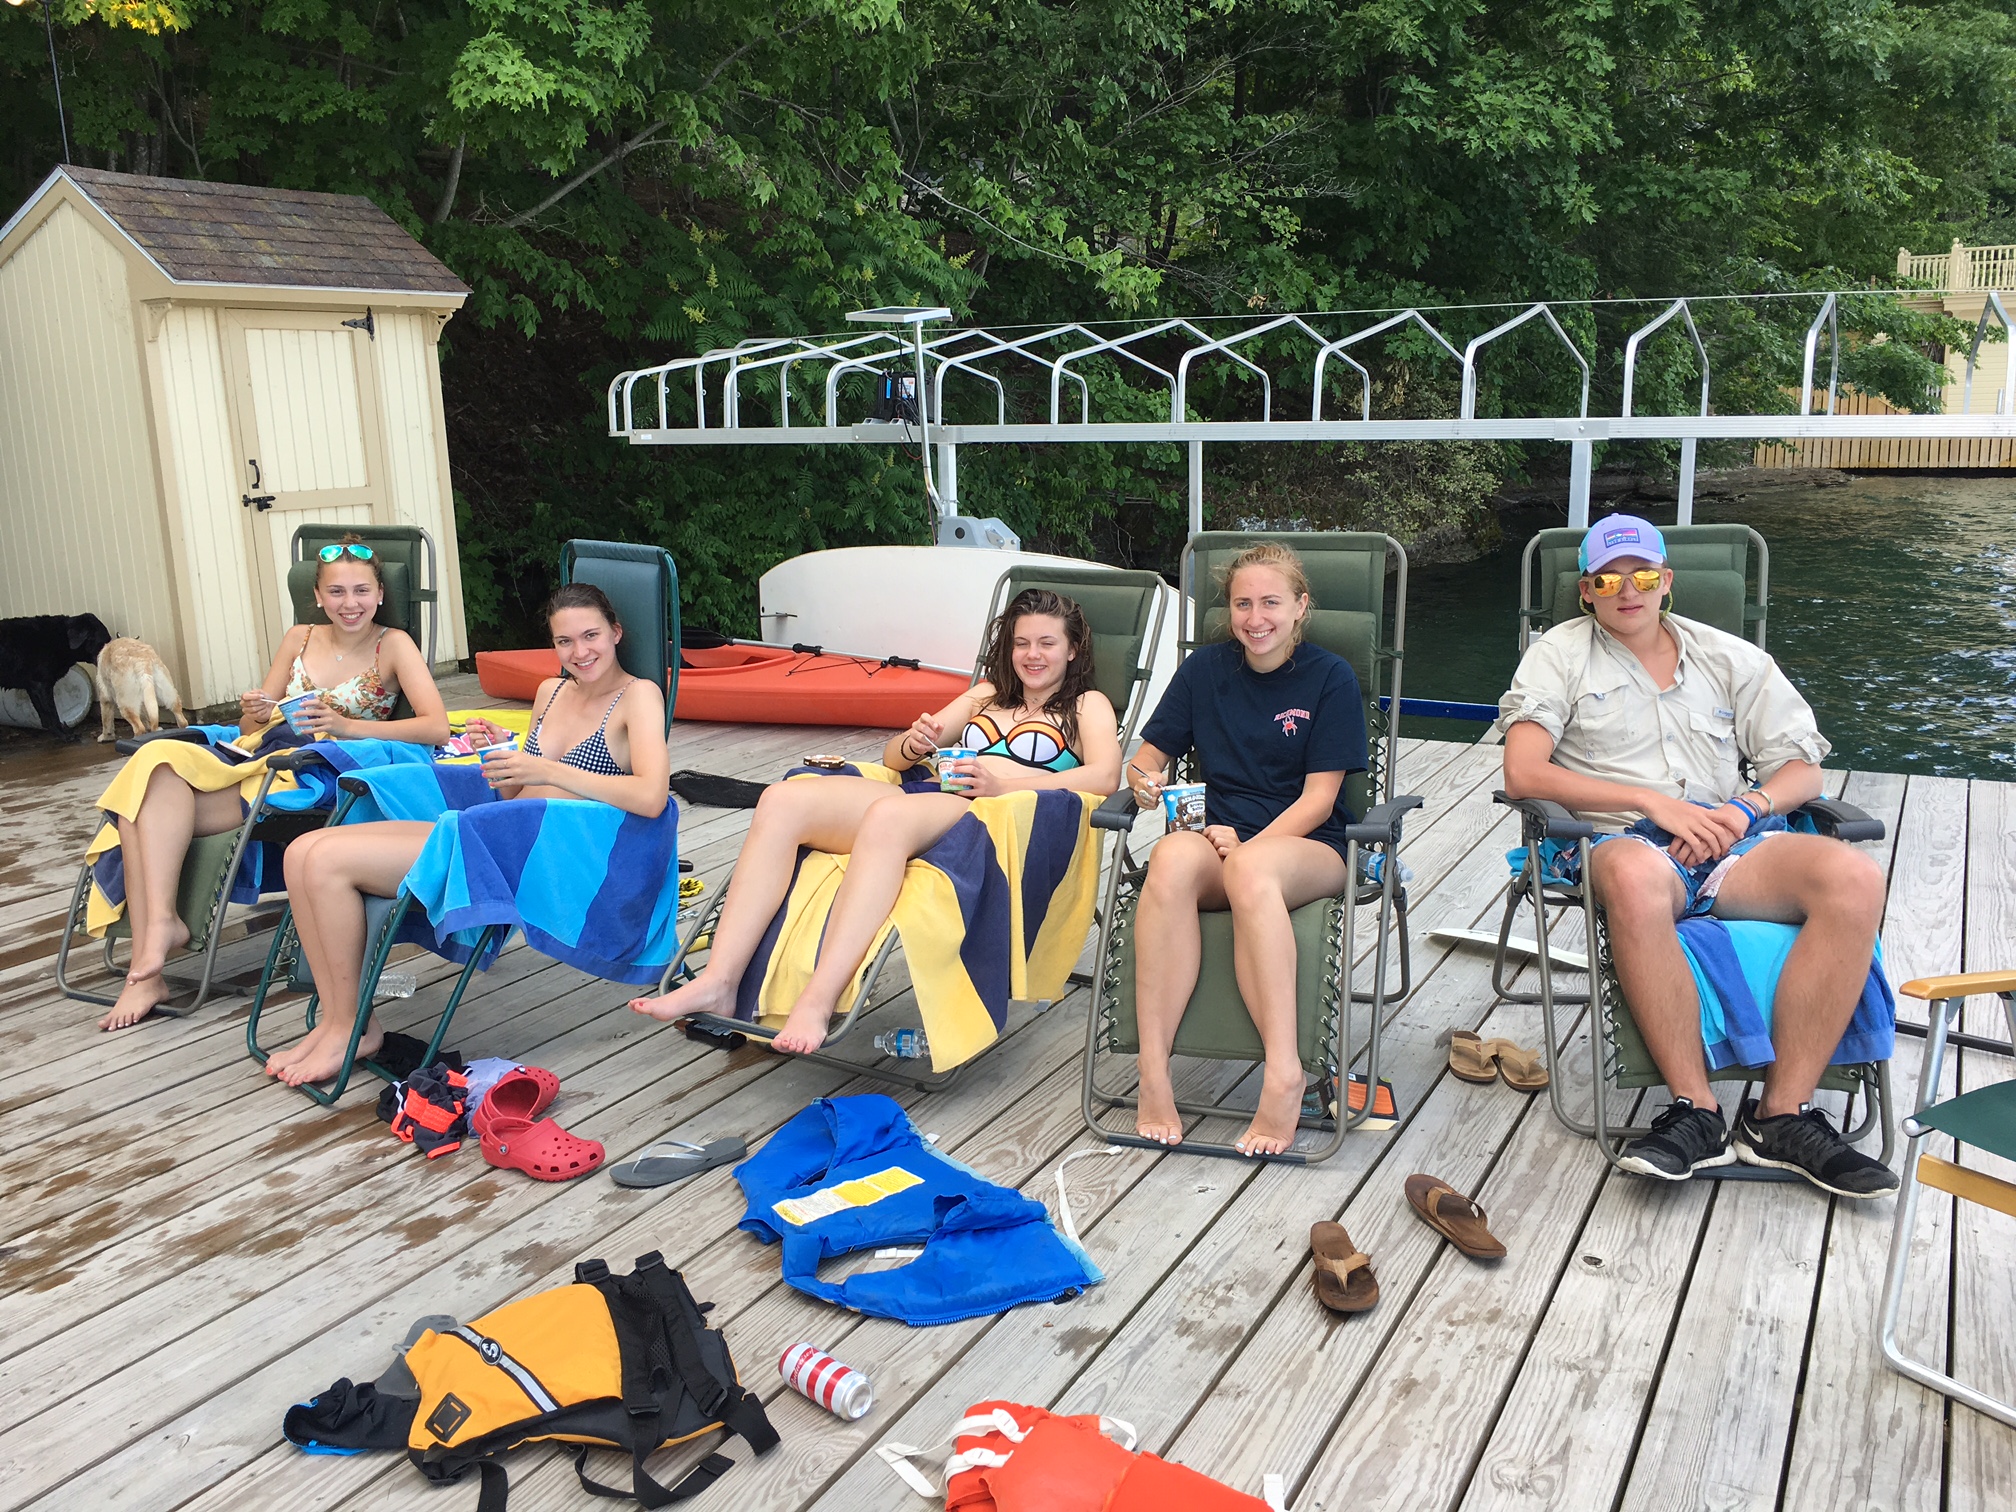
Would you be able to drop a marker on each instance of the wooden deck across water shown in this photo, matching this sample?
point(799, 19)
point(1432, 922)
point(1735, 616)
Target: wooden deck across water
point(185, 1249)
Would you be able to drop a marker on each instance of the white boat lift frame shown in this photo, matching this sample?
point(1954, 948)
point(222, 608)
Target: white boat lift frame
point(639, 408)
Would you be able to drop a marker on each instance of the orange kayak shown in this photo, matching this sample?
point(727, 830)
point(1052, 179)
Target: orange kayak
point(762, 685)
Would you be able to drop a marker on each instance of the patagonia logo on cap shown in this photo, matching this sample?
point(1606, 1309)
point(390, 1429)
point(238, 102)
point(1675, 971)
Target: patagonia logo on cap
point(1619, 537)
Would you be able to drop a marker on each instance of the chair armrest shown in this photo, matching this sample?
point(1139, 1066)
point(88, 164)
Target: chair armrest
point(296, 760)
point(1117, 813)
point(1969, 984)
point(354, 785)
point(1555, 821)
point(1841, 821)
point(133, 743)
point(1381, 824)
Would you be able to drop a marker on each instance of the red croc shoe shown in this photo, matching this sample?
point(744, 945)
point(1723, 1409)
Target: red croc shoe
point(524, 1093)
point(538, 1147)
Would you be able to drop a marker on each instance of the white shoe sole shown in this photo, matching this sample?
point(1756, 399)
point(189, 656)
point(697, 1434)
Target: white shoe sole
point(1638, 1166)
point(1750, 1157)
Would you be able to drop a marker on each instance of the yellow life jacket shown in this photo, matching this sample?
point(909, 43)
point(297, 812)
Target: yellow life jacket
point(623, 1362)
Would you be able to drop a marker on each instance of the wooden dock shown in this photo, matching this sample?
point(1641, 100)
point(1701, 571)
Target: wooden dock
point(186, 1249)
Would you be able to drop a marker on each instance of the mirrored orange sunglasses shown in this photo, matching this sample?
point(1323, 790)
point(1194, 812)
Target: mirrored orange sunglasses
point(1610, 584)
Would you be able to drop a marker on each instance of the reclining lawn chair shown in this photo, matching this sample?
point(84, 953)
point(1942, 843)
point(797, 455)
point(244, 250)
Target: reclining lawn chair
point(1124, 612)
point(216, 870)
point(405, 555)
point(1984, 1118)
point(642, 584)
point(1618, 1054)
point(1347, 575)
point(1713, 566)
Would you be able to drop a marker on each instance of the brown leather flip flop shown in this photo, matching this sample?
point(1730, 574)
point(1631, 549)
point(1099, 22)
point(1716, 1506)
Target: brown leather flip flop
point(1522, 1069)
point(1344, 1279)
point(1470, 1058)
point(1454, 1216)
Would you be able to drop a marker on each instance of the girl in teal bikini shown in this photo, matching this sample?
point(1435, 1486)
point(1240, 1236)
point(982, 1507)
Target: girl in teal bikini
point(1035, 721)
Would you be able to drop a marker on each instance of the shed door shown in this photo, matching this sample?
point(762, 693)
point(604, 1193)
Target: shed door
point(307, 425)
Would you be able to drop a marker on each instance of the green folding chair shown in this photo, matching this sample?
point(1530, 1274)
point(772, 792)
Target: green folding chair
point(1124, 610)
point(1984, 1119)
point(642, 583)
point(1355, 617)
point(406, 557)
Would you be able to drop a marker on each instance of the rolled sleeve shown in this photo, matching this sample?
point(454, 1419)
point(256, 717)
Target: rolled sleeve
point(1540, 693)
point(1774, 724)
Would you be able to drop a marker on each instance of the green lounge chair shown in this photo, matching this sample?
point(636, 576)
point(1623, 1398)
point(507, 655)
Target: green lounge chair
point(1721, 576)
point(1355, 617)
point(1124, 612)
point(1985, 1119)
point(213, 861)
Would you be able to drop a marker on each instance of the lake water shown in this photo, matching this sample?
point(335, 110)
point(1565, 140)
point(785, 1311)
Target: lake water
point(1893, 609)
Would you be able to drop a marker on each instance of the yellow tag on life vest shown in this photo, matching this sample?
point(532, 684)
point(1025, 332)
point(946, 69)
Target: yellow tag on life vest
point(862, 1191)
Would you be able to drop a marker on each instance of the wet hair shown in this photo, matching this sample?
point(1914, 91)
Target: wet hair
point(997, 660)
point(351, 538)
point(580, 596)
point(1282, 560)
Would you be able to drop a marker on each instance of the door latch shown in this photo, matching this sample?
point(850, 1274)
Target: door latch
point(260, 502)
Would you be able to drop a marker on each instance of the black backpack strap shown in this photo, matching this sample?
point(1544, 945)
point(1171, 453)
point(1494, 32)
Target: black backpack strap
point(496, 1493)
point(725, 1401)
point(646, 1490)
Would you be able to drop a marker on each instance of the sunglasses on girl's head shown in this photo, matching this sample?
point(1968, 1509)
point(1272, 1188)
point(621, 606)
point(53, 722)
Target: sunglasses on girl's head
point(365, 553)
point(1610, 584)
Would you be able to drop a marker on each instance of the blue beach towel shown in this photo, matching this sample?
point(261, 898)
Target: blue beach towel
point(1736, 963)
point(587, 883)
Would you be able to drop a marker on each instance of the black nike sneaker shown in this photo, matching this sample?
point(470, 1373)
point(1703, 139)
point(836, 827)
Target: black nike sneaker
point(1807, 1143)
point(1682, 1140)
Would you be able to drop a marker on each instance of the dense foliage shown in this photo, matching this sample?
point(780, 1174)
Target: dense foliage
point(624, 180)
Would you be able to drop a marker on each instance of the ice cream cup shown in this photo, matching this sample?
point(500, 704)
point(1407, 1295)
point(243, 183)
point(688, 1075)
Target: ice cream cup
point(1183, 806)
point(949, 781)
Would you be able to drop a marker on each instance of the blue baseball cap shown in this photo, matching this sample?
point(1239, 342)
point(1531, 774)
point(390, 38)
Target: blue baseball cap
point(1621, 536)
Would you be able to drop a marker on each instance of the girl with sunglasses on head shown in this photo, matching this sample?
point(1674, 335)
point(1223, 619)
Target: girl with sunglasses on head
point(357, 668)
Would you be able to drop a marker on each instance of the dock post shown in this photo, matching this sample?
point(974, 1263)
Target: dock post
point(1580, 458)
point(1196, 488)
point(948, 479)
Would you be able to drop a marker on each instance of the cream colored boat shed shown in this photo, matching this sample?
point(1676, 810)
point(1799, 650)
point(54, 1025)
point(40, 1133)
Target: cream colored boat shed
point(189, 371)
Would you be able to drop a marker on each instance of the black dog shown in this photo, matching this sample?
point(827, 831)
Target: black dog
point(37, 649)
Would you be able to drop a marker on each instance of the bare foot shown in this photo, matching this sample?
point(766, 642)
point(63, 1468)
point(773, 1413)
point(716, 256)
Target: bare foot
point(280, 1060)
point(165, 939)
point(701, 995)
point(324, 1060)
point(1273, 1128)
point(805, 1030)
point(136, 1000)
point(1156, 1118)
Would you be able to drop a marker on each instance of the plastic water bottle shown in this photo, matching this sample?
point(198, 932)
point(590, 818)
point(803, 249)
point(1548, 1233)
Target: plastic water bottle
point(904, 1044)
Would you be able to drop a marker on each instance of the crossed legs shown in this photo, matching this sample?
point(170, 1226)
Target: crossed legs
point(1833, 893)
point(328, 874)
point(1261, 882)
point(152, 846)
point(828, 814)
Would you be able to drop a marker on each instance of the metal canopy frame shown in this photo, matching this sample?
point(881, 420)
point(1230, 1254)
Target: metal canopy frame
point(1169, 351)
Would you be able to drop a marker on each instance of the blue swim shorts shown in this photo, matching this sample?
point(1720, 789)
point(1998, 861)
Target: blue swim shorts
point(1561, 860)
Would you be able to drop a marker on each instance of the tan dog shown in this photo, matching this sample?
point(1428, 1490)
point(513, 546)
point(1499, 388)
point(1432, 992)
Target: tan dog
point(131, 676)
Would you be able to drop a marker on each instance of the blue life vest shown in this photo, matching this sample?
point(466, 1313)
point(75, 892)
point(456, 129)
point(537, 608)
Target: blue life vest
point(852, 1173)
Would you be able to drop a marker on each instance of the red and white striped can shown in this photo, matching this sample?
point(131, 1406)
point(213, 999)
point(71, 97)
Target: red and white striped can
point(840, 1389)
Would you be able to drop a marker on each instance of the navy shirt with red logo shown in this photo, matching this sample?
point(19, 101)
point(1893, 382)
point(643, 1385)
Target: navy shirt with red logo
point(1257, 735)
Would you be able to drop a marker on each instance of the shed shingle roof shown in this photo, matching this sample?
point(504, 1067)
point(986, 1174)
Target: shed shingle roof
point(241, 234)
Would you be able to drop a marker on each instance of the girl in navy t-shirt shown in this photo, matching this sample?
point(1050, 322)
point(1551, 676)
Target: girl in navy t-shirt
point(1276, 725)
